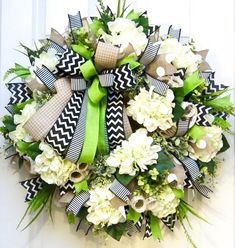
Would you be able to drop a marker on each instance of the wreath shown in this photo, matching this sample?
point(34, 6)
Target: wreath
point(115, 122)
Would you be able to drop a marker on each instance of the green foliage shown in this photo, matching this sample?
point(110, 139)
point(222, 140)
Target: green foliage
point(225, 125)
point(71, 218)
point(8, 122)
point(196, 132)
point(164, 162)
point(178, 112)
point(192, 82)
point(39, 202)
point(96, 25)
point(116, 231)
point(124, 178)
point(18, 107)
point(155, 227)
point(31, 149)
point(226, 145)
point(211, 166)
point(19, 71)
point(179, 194)
point(82, 213)
point(81, 186)
point(133, 215)
point(222, 104)
point(179, 94)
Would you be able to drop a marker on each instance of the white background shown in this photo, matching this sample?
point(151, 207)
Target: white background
point(211, 23)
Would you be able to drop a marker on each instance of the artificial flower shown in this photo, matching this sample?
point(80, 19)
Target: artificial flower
point(208, 146)
point(152, 110)
point(125, 32)
point(135, 154)
point(138, 203)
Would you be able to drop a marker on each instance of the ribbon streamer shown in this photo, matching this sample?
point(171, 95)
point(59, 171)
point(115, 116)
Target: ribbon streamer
point(149, 53)
point(33, 186)
point(203, 111)
point(77, 202)
point(68, 187)
point(174, 33)
point(53, 45)
point(147, 232)
point(119, 190)
point(75, 22)
point(159, 86)
point(170, 221)
point(182, 127)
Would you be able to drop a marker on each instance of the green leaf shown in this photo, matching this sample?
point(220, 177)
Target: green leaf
point(133, 215)
point(209, 165)
point(155, 227)
point(116, 231)
point(124, 178)
point(225, 125)
point(82, 213)
point(71, 218)
point(19, 71)
point(81, 186)
point(226, 145)
point(222, 104)
point(196, 132)
point(179, 194)
point(164, 163)
point(18, 107)
point(30, 149)
point(95, 26)
point(179, 94)
point(178, 112)
point(8, 122)
point(132, 15)
point(192, 82)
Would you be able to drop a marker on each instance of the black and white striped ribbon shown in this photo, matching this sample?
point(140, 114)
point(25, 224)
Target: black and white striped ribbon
point(149, 53)
point(75, 22)
point(182, 127)
point(53, 45)
point(33, 186)
point(46, 76)
point(174, 33)
point(78, 202)
point(159, 86)
point(119, 190)
point(76, 144)
point(78, 84)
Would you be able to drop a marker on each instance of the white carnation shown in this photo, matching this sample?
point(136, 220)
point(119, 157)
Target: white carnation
point(181, 55)
point(124, 31)
point(163, 204)
point(51, 167)
point(134, 155)
point(100, 210)
point(208, 146)
point(152, 110)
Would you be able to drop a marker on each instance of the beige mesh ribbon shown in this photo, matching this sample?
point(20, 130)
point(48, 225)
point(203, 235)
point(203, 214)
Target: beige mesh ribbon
point(42, 121)
point(204, 66)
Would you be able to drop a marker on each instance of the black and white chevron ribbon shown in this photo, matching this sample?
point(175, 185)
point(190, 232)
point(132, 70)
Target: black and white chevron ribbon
point(182, 127)
point(20, 94)
point(170, 221)
point(77, 202)
point(209, 76)
point(149, 53)
point(119, 190)
point(53, 45)
point(33, 186)
point(180, 73)
point(46, 76)
point(139, 223)
point(174, 33)
point(68, 187)
point(61, 133)
point(187, 181)
point(203, 111)
point(147, 232)
point(75, 147)
point(159, 86)
point(114, 119)
point(70, 63)
point(221, 115)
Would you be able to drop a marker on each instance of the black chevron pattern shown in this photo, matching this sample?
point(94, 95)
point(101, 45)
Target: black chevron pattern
point(70, 63)
point(170, 221)
point(187, 181)
point(20, 94)
point(114, 119)
point(180, 73)
point(61, 133)
point(148, 232)
point(209, 76)
point(123, 77)
point(33, 186)
point(139, 223)
point(202, 112)
point(222, 115)
point(68, 187)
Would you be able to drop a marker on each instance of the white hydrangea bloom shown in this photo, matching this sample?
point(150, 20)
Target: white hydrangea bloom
point(20, 120)
point(152, 110)
point(134, 154)
point(181, 55)
point(51, 167)
point(124, 31)
point(100, 210)
point(163, 204)
point(208, 146)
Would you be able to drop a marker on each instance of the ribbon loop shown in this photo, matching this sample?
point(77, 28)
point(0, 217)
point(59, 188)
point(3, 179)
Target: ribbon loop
point(149, 53)
point(159, 86)
point(78, 84)
point(53, 45)
point(174, 33)
point(119, 190)
point(107, 79)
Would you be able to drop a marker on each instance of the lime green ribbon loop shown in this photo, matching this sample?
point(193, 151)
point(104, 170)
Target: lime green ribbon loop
point(88, 70)
point(95, 123)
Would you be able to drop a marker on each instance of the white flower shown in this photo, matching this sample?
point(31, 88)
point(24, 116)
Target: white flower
point(100, 210)
point(135, 154)
point(20, 134)
point(124, 31)
point(163, 204)
point(181, 55)
point(208, 146)
point(152, 110)
point(51, 167)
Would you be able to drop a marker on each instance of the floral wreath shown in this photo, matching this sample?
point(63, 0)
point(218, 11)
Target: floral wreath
point(115, 123)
